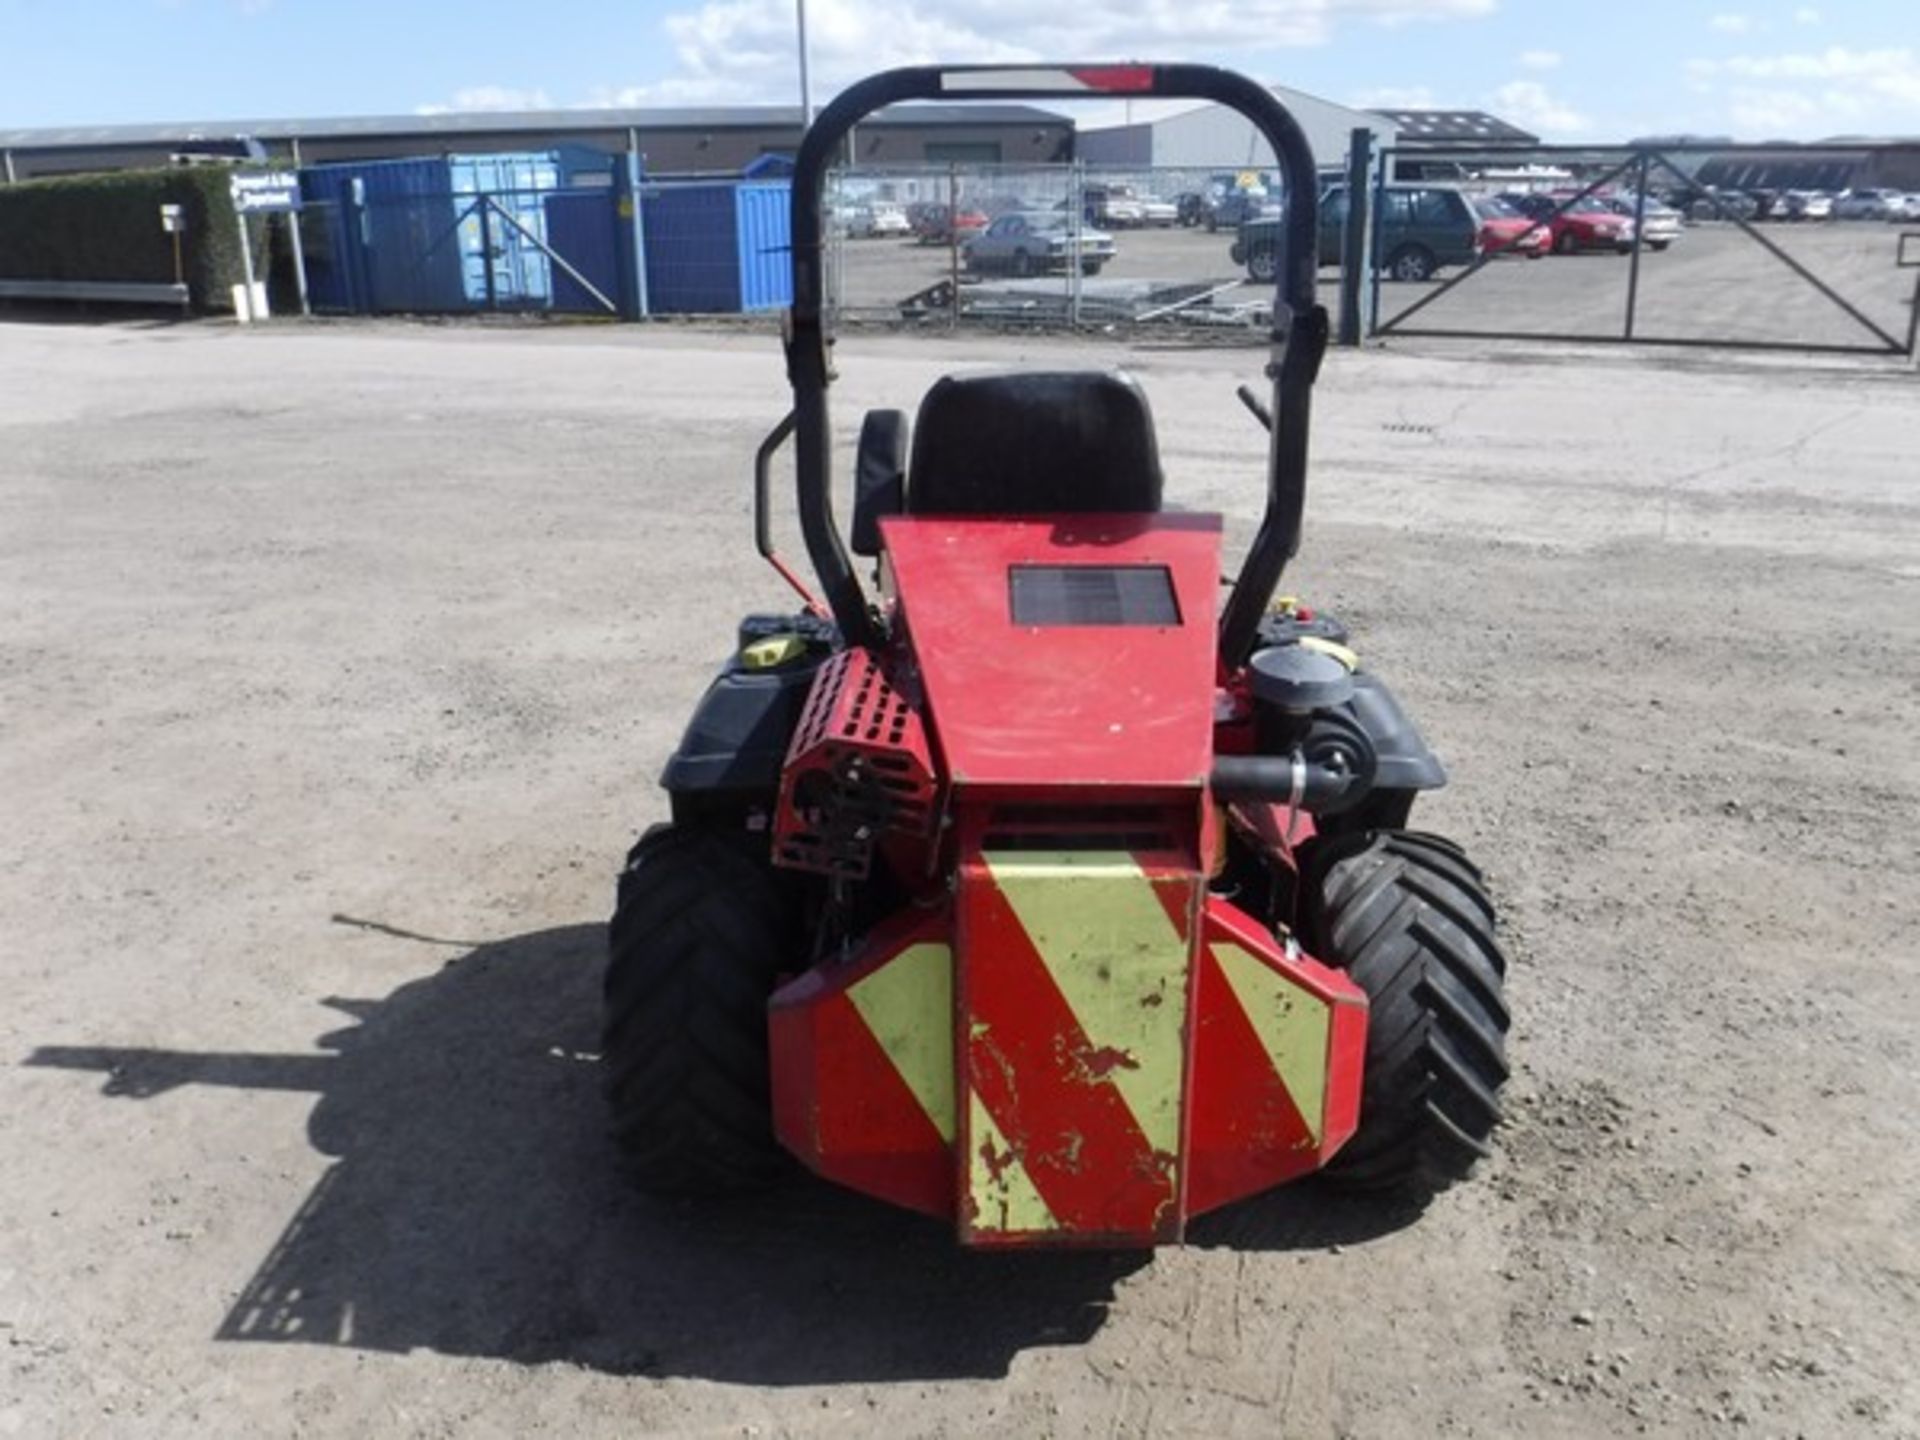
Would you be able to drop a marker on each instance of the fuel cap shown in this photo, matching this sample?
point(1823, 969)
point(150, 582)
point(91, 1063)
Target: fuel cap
point(1293, 677)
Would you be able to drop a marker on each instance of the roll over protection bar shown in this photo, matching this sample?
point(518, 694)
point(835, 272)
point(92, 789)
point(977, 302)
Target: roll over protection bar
point(1299, 333)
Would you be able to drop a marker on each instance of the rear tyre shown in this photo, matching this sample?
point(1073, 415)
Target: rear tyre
point(1565, 243)
point(1091, 267)
point(1022, 264)
point(699, 933)
point(1412, 263)
point(1406, 916)
point(1263, 264)
point(1658, 244)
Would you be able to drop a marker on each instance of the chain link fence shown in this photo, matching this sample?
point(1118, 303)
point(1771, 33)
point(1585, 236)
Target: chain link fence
point(1046, 246)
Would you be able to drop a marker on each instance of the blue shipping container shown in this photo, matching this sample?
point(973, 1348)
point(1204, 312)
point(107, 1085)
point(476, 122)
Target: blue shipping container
point(718, 248)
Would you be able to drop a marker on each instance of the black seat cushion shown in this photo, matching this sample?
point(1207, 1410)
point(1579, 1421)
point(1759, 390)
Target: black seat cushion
point(1033, 443)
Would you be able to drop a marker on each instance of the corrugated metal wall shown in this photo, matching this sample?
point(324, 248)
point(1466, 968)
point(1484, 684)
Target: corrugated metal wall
point(693, 264)
point(763, 222)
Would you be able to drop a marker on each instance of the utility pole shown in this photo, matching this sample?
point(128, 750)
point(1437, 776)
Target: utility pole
point(806, 88)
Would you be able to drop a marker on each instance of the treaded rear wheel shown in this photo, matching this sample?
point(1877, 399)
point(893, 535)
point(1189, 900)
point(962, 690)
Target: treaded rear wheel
point(1406, 916)
point(699, 934)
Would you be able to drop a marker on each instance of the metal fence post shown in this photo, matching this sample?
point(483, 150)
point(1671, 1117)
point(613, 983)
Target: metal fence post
point(1639, 223)
point(1077, 218)
point(299, 261)
point(953, 244)
point(245, 308)
point(486, 247)
point(1353, 250)
point(637, 229)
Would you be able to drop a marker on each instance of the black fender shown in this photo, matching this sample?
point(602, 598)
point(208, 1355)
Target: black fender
point(1405, 761)
point(736, 743)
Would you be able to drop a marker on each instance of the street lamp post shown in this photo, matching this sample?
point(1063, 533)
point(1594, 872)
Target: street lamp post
point(806, 89)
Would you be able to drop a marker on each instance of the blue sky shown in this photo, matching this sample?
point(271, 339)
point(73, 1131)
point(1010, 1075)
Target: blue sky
point(1569, 69)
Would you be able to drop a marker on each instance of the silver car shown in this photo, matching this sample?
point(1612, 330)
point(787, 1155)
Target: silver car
point(1036, 242)
point(1660, 224)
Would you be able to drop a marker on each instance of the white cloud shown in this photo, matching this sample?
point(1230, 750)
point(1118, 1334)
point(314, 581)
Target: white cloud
point(1891, 75)
point(1806, 15)
point(489, 97)
point(1395, 97)
point(746, 50)
point(1732, 24)
point(1812, 91)
point(1540, 59)
point(1528, 104)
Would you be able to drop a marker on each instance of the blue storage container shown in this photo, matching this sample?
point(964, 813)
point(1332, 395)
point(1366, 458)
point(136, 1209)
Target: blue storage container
point(718, 247)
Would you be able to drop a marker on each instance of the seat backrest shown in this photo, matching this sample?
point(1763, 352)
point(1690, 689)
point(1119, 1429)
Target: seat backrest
point(1034, 443)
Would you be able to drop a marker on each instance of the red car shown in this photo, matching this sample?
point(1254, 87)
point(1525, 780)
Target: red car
point(1586, 224)
point(1504, 230)
point(935, 226)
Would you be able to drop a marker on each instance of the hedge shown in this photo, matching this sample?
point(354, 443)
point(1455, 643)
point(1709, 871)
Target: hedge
point(107, 227)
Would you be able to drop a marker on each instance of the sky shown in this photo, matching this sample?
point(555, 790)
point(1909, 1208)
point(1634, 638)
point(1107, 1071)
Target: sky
point(1566, 69)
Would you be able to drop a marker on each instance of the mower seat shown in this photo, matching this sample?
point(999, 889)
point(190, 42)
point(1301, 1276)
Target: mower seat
point(1033, 443)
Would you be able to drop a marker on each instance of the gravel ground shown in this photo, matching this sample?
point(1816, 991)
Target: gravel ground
point(335, 667)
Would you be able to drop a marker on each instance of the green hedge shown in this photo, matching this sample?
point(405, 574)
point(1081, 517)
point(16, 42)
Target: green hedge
point(107, 227)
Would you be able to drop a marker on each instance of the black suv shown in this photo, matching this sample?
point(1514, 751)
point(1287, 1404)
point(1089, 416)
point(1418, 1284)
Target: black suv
point(1416, 230)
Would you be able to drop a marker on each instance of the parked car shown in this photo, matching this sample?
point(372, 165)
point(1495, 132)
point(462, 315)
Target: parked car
point(1505, 231)
point(1908, 210)
point(1660, 224)
point(1417, 230)
point(1731, 204)
point(1583, 224)
point(1809, 205)
point(1235, 197)
point(1121, 207)
point(1035, 242)
point(876, 219)
point(1868, 204)
point(937, 225)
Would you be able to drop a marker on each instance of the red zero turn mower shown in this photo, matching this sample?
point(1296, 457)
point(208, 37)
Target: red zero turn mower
point(1028, 892)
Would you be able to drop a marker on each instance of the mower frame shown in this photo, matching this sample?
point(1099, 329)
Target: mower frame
point(1298, 335)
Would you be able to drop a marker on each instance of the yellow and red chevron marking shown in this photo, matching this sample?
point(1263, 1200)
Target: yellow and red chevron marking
point(1063, 1059)
point(1278, 1049)
point(1073, 1002)
point(863, 1067)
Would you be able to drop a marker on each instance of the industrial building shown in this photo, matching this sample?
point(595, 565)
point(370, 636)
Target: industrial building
point(669, 140)
point(1214, 137)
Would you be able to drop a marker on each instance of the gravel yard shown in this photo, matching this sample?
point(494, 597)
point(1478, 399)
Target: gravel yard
point(337, 663)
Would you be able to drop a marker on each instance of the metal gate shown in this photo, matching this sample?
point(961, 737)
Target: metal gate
point(1767, 270)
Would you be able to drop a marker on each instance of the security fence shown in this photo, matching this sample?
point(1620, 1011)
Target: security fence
point(1641, 247)
point(1048, 246)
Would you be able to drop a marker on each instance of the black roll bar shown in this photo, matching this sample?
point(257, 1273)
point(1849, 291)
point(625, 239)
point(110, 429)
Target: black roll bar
point(1299, 334)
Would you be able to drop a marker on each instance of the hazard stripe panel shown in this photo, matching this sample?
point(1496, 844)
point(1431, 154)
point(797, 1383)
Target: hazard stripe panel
point(1073, 996)
point(863, 1067)
point(1278, 1044)
point(908, 1005)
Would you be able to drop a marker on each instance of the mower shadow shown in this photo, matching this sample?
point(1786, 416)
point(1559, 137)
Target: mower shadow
point(473, 1209)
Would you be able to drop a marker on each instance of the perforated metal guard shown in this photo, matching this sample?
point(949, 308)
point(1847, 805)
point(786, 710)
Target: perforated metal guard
point(859, 764)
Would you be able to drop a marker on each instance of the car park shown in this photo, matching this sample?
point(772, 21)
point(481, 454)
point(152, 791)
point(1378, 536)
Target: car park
point(1036, 242)
point(1418, 229)
point(1576, 222)
point(1505, 231)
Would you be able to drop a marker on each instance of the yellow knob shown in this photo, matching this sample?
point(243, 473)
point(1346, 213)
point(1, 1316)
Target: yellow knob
point(773, 650)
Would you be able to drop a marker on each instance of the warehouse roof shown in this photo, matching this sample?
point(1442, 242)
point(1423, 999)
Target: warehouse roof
point(504, 122)
point(1470, 127)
